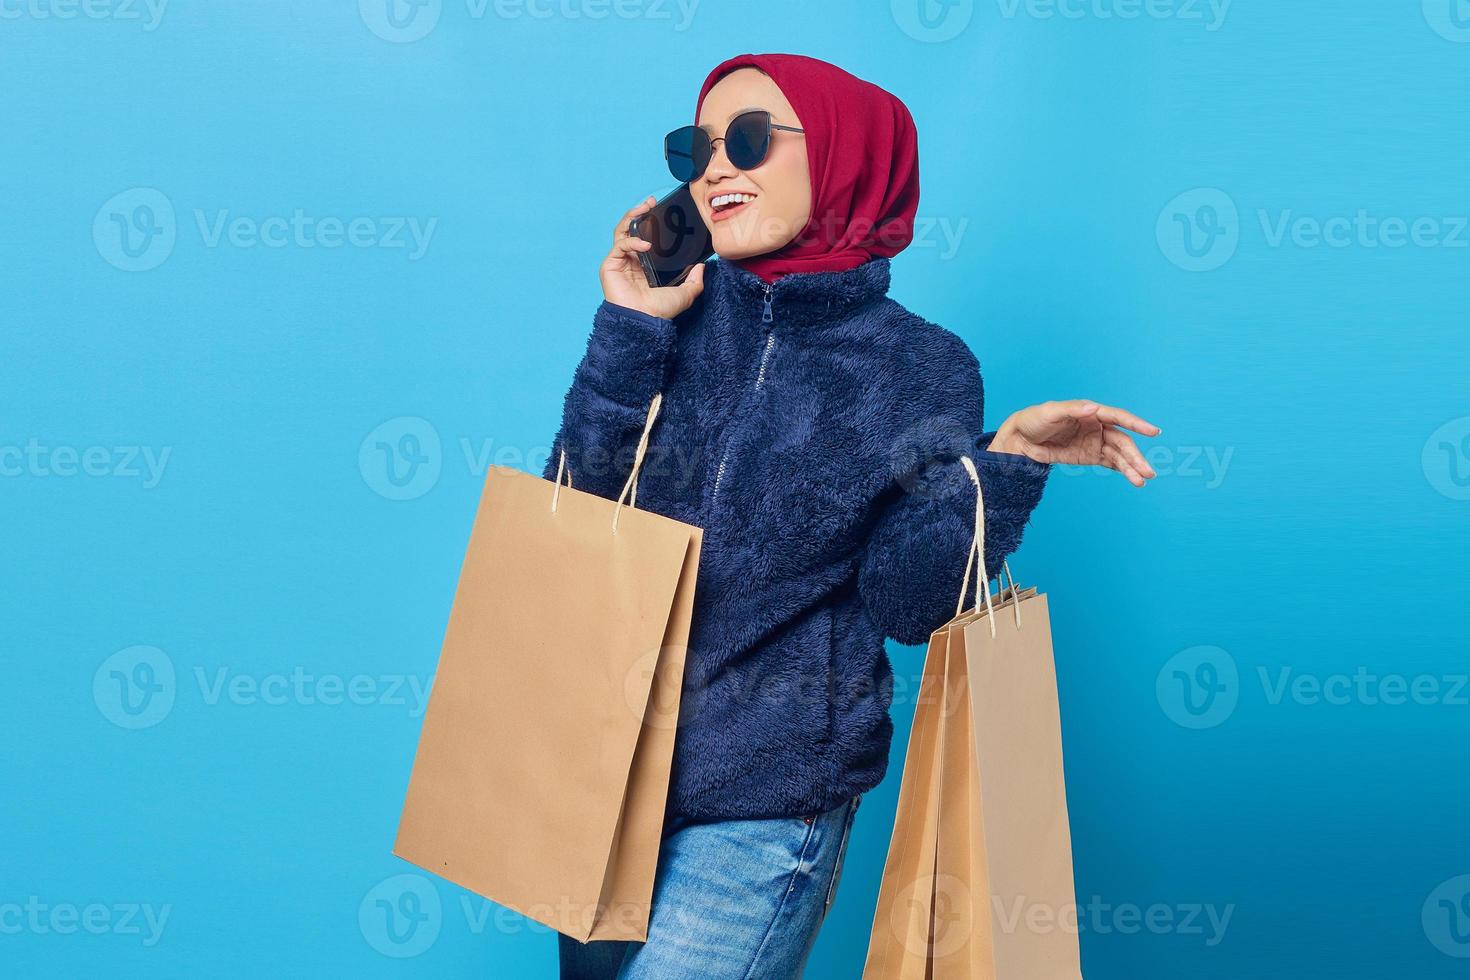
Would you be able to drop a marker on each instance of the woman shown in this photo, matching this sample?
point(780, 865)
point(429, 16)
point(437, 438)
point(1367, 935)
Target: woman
point(813, 427)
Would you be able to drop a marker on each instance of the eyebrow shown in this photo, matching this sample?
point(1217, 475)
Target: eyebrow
point(749, 108)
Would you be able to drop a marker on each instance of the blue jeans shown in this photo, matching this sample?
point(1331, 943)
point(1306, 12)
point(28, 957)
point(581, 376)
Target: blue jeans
point(732, 900)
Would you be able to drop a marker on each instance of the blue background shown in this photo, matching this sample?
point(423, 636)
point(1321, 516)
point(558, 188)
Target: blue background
point(1310, 516)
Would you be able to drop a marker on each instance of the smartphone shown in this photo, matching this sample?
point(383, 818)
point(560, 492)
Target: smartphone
point(680, 238)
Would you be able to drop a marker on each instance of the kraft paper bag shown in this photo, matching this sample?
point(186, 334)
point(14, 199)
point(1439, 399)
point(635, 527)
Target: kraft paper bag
point(899, 946)
point(978, 882)
point(543, 764)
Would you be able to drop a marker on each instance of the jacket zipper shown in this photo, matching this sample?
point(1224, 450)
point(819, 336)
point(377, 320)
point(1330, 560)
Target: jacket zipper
point(767, 318)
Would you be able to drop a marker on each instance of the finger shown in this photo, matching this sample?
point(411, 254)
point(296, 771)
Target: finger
point(1067, 410)
point(693, 283)
point(1129, 449)
point(630, 243)
point(623, 254)
point(1119, 416)
point(642, 207)
point(1116, 460)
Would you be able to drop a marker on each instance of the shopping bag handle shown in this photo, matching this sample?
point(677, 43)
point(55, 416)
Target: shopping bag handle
point(976, 559)
point(561, 467)
point(630, 487)
point(632, 481)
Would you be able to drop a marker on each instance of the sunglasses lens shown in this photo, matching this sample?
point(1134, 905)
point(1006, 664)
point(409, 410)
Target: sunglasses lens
point(687, 151)
point(748, 139)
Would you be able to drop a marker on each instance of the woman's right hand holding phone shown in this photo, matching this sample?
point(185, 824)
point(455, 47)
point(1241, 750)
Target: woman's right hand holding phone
point(624, 283)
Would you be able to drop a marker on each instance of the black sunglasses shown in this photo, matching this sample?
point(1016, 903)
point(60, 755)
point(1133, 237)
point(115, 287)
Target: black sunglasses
point(747, 139)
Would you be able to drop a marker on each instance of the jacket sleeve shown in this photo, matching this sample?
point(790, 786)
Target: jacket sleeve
point(914, 561)
point(628, 354)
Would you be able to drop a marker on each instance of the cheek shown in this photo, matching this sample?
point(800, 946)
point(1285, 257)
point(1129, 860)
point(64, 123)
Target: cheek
point(786, 187)
point(801, 198)
point(796, 188)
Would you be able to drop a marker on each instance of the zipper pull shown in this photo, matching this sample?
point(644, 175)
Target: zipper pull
point(766, 316)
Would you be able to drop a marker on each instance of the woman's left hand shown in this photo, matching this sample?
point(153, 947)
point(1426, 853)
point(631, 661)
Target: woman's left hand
point(1079, 432)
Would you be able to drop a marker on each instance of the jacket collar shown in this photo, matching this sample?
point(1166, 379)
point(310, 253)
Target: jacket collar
point(820, 293)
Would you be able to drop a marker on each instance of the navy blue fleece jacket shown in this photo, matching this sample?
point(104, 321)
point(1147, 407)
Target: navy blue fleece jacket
point(813, 429)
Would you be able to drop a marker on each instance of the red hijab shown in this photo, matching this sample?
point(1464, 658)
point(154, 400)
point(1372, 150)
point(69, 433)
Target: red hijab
point(864, 171)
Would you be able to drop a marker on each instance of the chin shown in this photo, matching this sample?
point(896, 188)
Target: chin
point(735, 254)
point(732, 244)
point(733, 237)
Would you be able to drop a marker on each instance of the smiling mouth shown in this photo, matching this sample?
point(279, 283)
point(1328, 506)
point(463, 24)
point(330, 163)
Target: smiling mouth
point(723, 206)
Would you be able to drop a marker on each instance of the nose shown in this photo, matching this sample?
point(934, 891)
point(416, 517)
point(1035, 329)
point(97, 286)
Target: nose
point(719, 162)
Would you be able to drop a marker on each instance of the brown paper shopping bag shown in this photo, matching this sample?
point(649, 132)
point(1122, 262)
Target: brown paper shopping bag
point(978, 880)
point(900, 940)
point(543, 764)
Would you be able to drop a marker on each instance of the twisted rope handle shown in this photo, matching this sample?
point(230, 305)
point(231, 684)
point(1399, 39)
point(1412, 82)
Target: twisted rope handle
point(630, 486)
point(561, 467)
point(976, 559)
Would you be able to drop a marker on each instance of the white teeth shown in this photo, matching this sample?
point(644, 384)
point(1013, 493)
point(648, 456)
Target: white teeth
point(720, 200)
